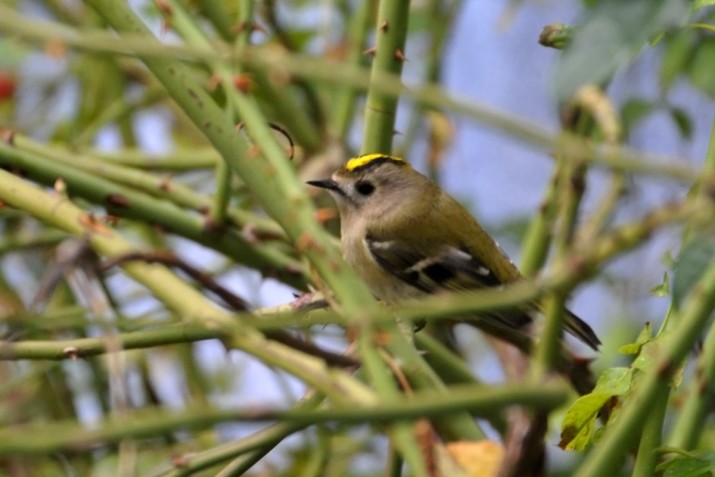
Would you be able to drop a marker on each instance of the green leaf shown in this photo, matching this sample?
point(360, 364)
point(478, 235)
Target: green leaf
point(690, 266)
point(662, 289)
point(579, 425)
point(701, 71)
point(615, 381)
point(634, 111)
point(687, 466)
point(682, 121)
point(677, 53)
point(645, 336)
point(609, 37)
point(580, 421)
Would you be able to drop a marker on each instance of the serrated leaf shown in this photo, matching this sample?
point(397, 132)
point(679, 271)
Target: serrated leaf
point(645, 336)
point(580, 420)
point(579, 425)
point(615, 381)
point(690, 266)
point(663, 288)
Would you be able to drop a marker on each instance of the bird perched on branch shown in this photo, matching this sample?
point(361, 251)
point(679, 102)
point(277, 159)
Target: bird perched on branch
point(406, 237)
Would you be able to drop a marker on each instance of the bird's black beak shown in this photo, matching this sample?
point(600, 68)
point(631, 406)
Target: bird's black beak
point(328, 184)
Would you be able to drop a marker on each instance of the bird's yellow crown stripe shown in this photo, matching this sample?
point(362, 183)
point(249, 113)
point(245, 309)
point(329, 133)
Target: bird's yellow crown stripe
point(361, 161)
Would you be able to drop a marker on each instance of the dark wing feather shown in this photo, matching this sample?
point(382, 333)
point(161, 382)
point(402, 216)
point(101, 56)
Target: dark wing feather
point(451, 269)
point(456, 269)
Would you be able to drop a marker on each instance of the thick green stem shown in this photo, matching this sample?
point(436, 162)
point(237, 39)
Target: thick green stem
point(270, 176)
point(344, 104)
point(381, 108)
point(650, 440)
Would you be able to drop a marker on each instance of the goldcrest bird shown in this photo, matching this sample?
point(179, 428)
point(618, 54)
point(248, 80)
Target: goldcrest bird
point(406, 237)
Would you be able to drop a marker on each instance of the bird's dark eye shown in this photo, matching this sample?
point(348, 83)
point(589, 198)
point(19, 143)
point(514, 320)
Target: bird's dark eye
point(365, 187)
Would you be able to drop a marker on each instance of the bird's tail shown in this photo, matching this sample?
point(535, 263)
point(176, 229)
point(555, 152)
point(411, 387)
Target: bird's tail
point(581, 330)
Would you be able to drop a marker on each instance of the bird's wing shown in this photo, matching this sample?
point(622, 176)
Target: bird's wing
point(449, 269)
point(456, 269)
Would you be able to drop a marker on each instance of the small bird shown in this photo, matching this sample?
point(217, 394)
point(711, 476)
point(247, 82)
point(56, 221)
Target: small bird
point(406, 237)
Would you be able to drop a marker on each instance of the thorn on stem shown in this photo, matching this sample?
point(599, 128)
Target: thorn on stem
point(164, 7)
point(55, 49)
point(118, 200)
point(325, 214)
point(211, 225)
point(8, 136)
point(214, 81)
point(71, 352)
point(165, 184)
point(180, 461)
point(243, 82)
point(90, 222)
point(304, 242)
point(248, 26)
point(60, 187)
point(248, 232)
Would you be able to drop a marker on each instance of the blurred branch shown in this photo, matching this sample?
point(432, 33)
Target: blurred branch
point(161, 186)
point(123, 201)
point(263, 440)
point(162, 336)
point(478, 400)
point(178, 160)
point(176, 295)
point(570, 145)
point(269, 176)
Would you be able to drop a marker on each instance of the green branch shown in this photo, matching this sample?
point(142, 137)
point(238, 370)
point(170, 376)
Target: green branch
point(179, 297)
point(123, 201)
point(281, 62)
point(381, 107)
point(481, 401)
point(623, 434)
point(86, 347)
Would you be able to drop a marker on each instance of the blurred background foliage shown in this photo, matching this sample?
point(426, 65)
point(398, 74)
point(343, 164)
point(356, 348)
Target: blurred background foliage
point(83, 118)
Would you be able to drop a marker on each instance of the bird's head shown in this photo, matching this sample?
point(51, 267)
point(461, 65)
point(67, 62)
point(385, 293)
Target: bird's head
point(374, 184)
